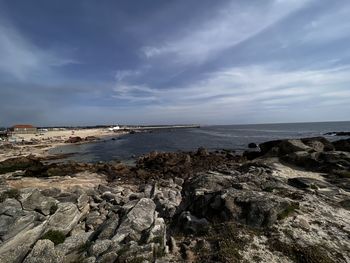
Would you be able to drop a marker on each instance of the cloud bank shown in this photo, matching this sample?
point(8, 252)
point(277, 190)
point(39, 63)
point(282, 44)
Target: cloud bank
point(218, 63)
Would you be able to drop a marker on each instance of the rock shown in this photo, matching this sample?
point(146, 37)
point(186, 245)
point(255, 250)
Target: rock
point(108, 257)
point(305, 182)
point(94, 219)
point(75, 139)
point(108, 228)
point(342, 145)
point(255, 209)
point(14, 221)
point(193, 225)
point(301, 222)
point(252, 145)
point(267, 146)
point(167, 199)
point(32, 199)
point(303, 159)
point(319, 144)
point(82, 201)
point(140, 218)
point(291, 146)
point(65, 218)
point(15, 249)
point(202, 152)
point(89, 260)
point(209, 182)
point(44, 252)
point(157, 233)
point(338, 133)
point(143, 253)
point(19, 163)
point(91, 138)
point(74, 243)
point(100, 247)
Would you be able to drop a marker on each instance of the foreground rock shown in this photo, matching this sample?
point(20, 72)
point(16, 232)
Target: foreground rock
point(185, 207)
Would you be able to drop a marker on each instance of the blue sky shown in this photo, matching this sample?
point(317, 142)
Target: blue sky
point(185, 61)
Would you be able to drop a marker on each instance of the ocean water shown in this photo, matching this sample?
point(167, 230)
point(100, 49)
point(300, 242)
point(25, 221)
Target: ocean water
point(234, 137)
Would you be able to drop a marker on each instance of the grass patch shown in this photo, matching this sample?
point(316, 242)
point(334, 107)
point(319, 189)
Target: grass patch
point(229, 242)
point(57, 237)
point(299, 254)
point(12, 193)
point(288, 211)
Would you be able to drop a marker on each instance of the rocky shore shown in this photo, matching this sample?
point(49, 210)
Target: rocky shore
point(287, 201)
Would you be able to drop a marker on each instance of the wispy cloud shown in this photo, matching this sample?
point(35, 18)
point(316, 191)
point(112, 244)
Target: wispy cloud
point(232, 25)
point(23, 60)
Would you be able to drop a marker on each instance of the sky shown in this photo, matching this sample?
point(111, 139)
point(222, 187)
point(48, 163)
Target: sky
point(90, 62)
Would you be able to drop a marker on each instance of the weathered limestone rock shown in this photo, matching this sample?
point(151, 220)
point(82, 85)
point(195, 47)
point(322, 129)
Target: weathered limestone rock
point(108, 228)
point(73, 243)
point(140, 218)
point(100, 247)
point(33, 200)
point(65, 218)
point(15, 249)
point(44, 252)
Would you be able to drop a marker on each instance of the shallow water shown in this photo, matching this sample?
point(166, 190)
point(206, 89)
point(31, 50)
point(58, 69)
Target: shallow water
point(235, 137)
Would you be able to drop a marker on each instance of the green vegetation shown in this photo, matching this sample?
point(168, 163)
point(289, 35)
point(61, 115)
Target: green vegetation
point(288, 211)
point(302, 254)
point(12, 193)
point(229, 240)
point(57, 237)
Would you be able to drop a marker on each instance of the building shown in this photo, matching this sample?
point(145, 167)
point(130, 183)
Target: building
point(23, 129)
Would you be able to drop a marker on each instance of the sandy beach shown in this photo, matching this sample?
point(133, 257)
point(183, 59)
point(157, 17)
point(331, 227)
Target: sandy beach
point(42, 142)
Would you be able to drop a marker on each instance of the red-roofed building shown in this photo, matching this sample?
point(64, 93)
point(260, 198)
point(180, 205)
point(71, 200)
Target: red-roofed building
point(23, 129)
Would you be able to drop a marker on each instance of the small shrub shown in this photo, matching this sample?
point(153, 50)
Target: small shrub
point(57, 237)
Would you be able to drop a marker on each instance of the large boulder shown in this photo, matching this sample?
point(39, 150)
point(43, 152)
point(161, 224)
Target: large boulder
point(19, 163)
point(15, 249)
point(44, 252)
point(342, 145)
point(65, 218)
point(33, 200)
point(318, 144)
point(140, 218)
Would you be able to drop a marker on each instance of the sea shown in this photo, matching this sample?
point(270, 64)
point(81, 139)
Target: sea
point(232, 137)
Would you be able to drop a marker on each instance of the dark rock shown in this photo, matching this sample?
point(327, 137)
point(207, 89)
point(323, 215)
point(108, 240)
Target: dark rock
point(192, 225)
point(91, 138)
point(252, 145)
point(75, 139)
point(305, 182)
point(202, 152)
point(342, 145)
point(338, 133)
point(20, 163)
point(319, 144)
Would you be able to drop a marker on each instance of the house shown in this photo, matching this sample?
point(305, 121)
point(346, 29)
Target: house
point(23, 129)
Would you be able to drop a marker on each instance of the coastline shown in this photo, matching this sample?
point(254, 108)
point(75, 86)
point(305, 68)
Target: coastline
point(39, 145)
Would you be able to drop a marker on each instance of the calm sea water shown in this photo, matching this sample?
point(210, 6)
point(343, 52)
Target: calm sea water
point(235, 137)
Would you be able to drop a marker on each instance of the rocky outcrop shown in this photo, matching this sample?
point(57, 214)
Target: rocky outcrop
point(187, 207)
point(342, 145)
